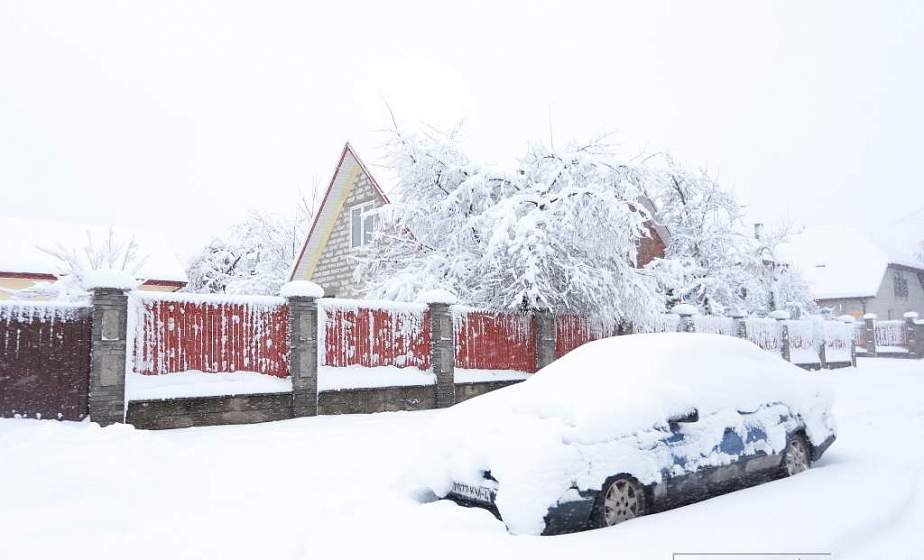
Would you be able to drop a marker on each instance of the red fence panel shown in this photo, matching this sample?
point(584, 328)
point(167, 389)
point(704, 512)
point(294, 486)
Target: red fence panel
point(387, 335)
point(214, 334)
point(572, 331)
point(495, 341)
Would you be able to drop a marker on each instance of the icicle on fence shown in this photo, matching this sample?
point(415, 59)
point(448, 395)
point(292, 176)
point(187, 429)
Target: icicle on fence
point(210, 333)
point(491, 340)
point(374, 334)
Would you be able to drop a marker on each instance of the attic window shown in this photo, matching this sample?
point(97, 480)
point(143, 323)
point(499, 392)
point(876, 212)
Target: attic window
point(362, 224)
point(900, 285)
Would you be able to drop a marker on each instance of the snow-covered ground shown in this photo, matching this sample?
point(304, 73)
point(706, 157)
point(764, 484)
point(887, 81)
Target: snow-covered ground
point(340, 487)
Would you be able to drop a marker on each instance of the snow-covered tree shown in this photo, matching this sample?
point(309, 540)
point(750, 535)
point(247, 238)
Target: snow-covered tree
point(559, 231)
point(73, 262)
point(254, 257)
point(713, 259)
point(710, 261)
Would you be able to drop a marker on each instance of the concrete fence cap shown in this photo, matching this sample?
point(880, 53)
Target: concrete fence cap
point(437, 296)
point(684, 309)
point(779, 314)
point(301, 288)
point(911, 315)
point(108, 278)
point(869, 316)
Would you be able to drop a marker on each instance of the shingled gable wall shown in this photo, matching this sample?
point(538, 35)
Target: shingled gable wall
point(335, 268)
point(326, 257)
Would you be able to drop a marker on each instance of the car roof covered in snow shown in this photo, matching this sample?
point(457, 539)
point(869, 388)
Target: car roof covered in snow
point(618, 386)
point(839, 262)
point(21, 241)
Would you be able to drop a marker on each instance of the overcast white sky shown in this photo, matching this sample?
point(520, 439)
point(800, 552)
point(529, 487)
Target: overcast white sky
point(180, 116)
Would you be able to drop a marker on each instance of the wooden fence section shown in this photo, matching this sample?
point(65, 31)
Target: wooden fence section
point(380, 336)
point(495, 340)
point(44, 360)
point(213, 334)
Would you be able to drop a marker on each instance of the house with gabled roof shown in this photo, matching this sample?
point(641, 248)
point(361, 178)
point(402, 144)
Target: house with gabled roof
point(341, 225)
point(344, 223)
point(848, 274)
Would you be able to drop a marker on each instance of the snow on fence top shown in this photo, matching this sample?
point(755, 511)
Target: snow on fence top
point(210, 299)
point(301, 288)
point(108, 278)
point(28, 311)
point(437, 296)
point(385, 305)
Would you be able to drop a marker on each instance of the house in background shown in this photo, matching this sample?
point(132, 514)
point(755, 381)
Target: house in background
point(23, 264)
point(848, 274)
point(343, 224)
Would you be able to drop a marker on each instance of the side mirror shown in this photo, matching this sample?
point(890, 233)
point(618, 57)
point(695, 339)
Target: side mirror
point(691, 415)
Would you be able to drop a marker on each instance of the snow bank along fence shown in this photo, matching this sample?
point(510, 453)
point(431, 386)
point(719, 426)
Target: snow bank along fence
point(333, 355)
point(44, 360)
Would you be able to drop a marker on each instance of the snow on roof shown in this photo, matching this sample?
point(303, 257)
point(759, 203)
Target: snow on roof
point(836, 263)
point(20, 240)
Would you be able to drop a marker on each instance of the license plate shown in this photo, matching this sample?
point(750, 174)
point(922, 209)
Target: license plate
point(474, 493)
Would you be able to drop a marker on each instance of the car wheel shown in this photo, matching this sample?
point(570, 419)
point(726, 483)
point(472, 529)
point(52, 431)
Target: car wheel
point(797, 457)
point(621, 499)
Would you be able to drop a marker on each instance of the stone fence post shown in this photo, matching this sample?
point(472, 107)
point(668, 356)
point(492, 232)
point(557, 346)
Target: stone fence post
point(869, 334)
point(686, 312)
point(108, 344)
point(442, 346)
point(781, 317)
point(545, 338)
point(849, 320)
point(302, 300)
point(823, 351)
point(740, 328)
point(914, 335)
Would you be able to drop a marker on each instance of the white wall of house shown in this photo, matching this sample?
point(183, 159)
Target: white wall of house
point(901, 290)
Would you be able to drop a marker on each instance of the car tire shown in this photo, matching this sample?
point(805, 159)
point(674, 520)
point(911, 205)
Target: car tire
point(622, 498)
point(798, 456)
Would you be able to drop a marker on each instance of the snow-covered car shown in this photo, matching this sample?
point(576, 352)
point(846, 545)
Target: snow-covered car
point(627, 426)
